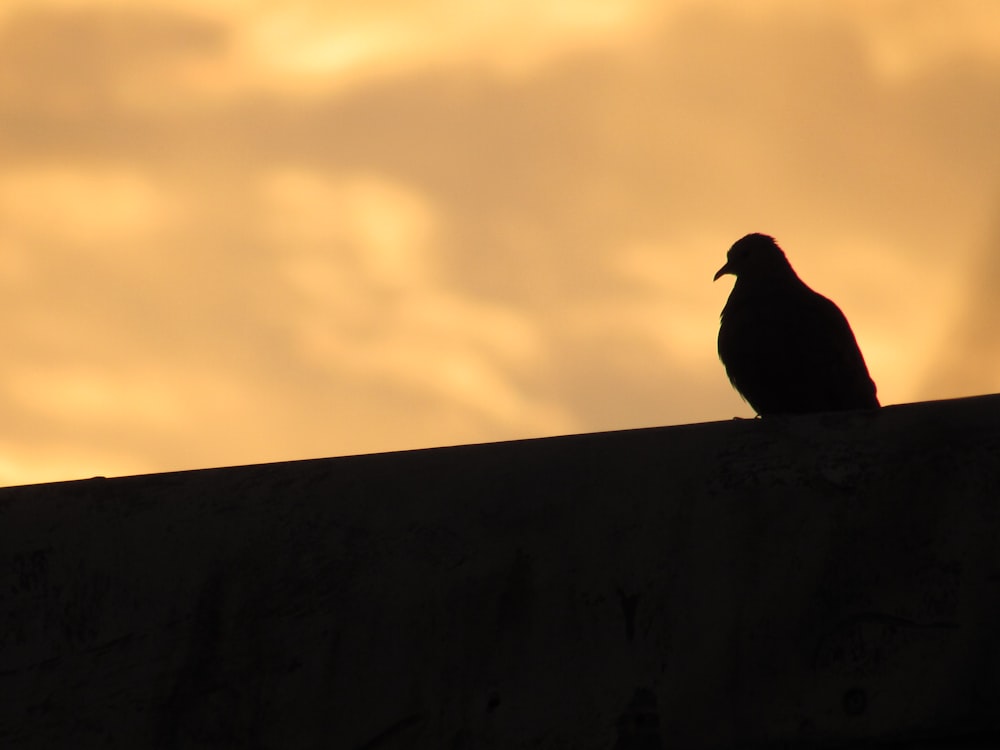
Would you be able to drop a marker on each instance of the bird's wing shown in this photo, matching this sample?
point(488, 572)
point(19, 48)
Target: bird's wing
point(793, 351)
point(831, 362)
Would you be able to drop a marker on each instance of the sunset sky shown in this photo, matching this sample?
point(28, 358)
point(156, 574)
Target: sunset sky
point(239, 232)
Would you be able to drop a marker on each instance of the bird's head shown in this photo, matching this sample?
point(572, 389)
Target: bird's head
point(756, 256)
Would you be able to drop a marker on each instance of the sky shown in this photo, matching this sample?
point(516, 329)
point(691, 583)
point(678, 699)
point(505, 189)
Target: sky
point(242, 232)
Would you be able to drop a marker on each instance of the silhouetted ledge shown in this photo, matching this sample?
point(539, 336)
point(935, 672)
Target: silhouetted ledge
point(815, 581)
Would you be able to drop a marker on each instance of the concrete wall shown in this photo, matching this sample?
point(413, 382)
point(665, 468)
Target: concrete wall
point(803, 582)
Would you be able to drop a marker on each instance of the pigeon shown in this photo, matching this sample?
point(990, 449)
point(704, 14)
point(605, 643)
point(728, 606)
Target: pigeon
point(787, 349)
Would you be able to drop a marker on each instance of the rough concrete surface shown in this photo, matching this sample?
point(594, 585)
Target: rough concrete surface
point(817, 581)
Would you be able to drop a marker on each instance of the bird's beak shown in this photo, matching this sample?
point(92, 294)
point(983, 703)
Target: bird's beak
point(722, 272)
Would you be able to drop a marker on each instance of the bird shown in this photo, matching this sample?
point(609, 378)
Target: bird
point(786, 348)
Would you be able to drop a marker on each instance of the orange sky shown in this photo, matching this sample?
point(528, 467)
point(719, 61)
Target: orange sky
point(244, 232)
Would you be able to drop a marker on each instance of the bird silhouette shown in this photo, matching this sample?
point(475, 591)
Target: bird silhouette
point(787, 349)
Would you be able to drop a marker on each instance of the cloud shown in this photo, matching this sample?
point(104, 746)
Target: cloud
point(358, 256)
point(967, 352)
point(313, 46)
point(80, 62)
point(226, 240)
point(77, 205)
point(906, 38)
